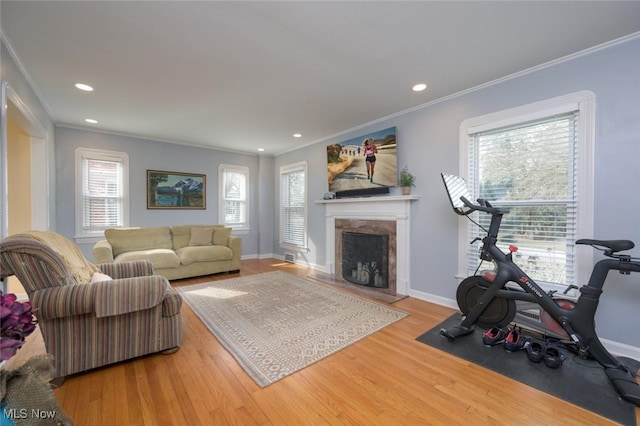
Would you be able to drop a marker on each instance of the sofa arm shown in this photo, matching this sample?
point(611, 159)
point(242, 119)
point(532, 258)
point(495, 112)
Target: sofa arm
point(104, 298)
point(102, 252)
point(130, 269)
point(235, 244)
point(120, 297)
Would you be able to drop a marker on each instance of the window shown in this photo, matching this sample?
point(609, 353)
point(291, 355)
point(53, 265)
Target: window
point(537, 162)
point(234, 203)
point(102, 199)
point(293, 205)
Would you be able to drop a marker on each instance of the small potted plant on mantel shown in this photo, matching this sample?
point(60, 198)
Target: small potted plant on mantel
point(407, 180)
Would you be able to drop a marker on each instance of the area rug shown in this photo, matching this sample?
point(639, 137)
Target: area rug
point(580, 382)
point(275, 323)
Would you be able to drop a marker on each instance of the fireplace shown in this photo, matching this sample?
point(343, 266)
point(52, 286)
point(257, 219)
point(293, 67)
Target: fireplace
point(366, 249)
point(388, 215)
point(365, 259)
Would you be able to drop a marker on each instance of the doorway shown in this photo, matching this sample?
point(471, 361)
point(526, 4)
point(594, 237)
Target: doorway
point(27, 179)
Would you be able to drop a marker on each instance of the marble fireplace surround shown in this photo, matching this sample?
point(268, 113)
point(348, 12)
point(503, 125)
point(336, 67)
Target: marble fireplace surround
point(386, 211)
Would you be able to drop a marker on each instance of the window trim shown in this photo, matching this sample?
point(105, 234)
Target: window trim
point(81, 235)
point(584, 103)
point(222, 169)
point(301, 165)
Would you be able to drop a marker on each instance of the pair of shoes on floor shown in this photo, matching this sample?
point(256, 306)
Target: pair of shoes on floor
point(515, 341)
point(512, 340)
point(552, 356)
point(493, 336)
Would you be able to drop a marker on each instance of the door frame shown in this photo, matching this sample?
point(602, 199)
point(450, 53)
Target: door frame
point(40, 158)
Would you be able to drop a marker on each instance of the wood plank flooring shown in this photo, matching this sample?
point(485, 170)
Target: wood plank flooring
point(387, 378)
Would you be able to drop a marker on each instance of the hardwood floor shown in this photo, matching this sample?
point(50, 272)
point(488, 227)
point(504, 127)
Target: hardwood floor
point(387, 378)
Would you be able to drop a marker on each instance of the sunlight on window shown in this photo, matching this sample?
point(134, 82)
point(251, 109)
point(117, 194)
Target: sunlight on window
point(218, 293)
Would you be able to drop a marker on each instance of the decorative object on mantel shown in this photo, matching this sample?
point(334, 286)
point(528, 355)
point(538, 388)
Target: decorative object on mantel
point(329, 196)
point(407, 180)
point(17, 322)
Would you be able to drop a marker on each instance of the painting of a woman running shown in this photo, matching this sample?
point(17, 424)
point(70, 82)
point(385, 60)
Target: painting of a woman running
point(367, 161)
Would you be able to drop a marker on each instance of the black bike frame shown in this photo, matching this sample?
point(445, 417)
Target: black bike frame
point(578, 322)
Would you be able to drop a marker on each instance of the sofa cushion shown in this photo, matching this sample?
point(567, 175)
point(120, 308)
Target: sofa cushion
point(201, 236)
point(161, 258)
point(124, 240)
point(181, 234)
point(221, 236)
point(99, 276)
point(189, 255)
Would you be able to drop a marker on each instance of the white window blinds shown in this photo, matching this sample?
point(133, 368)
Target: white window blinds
point(234, 196)
point(293, 216)
point(531, 169)
point(101, 190)
point(102, 193)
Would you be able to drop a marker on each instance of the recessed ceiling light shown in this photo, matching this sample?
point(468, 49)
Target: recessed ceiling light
point(91, 120)
point(419, 87)
point(84, 87)
point(260, 149)
point(297, 135)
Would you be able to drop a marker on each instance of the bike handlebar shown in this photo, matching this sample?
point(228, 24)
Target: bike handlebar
point(483, 206)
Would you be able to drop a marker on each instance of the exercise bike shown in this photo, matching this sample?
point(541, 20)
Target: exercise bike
point(490, 301)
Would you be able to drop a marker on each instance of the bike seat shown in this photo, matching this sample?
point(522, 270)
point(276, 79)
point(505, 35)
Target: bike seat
point(613, 245)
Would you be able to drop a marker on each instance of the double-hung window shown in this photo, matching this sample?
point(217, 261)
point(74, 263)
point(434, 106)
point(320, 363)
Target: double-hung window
point(535, 161)
point(102, 198)
point(234, 200)
point(293, 205)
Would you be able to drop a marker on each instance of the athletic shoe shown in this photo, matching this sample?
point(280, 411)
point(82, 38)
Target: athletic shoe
point(553, 357)
point(535, 351)
point(514, 341)
point(493, 336)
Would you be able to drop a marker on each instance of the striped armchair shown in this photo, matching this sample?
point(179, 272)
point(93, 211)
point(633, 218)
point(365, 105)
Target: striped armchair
point(89, 324)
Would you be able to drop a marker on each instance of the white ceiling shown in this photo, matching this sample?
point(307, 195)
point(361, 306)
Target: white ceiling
point(246, 75)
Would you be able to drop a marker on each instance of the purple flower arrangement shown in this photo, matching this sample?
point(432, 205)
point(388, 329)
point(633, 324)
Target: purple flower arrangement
point(16, 323)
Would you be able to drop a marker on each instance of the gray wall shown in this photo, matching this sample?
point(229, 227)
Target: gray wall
point(428, 141)
point(152, 155)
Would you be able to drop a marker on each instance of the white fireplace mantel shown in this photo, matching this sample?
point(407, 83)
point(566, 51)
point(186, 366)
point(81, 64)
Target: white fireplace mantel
point(393, 208)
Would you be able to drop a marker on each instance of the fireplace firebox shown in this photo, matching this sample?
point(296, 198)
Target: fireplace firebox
point(365, 259)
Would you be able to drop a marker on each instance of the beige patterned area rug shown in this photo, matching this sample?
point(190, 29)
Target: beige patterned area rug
point(275, 323)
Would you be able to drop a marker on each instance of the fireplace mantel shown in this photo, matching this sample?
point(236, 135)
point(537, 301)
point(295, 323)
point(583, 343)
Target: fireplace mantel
point(381, 199)
point(394, 208)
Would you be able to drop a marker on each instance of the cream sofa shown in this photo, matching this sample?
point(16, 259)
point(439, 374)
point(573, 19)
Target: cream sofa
point(175, 251)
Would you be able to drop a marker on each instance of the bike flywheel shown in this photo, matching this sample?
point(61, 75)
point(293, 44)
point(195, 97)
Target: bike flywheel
point(498, 313)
